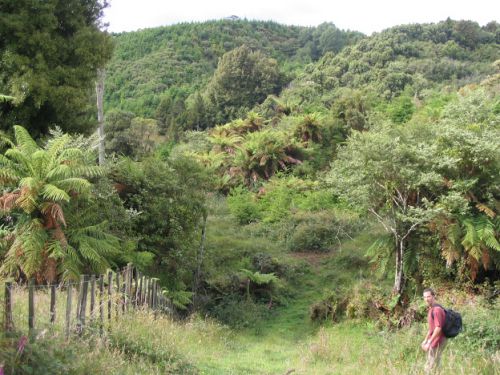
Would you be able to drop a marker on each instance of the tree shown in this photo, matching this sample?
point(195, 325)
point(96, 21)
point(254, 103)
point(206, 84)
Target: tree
point(264, 153)
point(388, 172)
point(243, 78)
point(467, 148)
point(196, 116)
point(49, 55)
point(445, 175)
point(118, 124)
point(40, 187)
point(168, 198)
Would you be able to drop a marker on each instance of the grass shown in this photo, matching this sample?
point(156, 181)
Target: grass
point(140, 344)
point(285, 341)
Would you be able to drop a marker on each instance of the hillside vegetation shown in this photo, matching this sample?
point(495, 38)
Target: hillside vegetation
point(293, 189)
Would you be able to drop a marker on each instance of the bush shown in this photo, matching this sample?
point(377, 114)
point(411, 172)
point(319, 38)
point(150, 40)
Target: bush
point(243, 206)
point(239, 313)
point(320, 230)
point(27, 355)
point(330, 308)
point(481, 329)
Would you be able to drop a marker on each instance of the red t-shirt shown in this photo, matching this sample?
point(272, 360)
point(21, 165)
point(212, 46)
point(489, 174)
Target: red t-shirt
point(436, 317)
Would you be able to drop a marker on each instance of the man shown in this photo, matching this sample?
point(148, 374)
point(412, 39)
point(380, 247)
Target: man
point(435, 340)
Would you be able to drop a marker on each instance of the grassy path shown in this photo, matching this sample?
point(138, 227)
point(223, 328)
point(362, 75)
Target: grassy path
point(287, 340)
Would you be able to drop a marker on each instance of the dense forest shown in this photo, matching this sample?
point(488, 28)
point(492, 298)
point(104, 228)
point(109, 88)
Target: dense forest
point(256, 168)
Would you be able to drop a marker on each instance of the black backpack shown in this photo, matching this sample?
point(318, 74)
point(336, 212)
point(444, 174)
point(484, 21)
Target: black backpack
point(452, 322)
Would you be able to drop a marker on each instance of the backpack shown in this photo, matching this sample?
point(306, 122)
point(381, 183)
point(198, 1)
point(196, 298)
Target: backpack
point(452, 322)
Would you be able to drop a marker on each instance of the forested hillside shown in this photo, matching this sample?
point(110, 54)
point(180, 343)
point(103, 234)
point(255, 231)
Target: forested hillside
point(175, 61)
point(292, 189)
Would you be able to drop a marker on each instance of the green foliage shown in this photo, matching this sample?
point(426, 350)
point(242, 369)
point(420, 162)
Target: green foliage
point(167, 197)
point(49, 56)
point(129, 135)
point(183, 57)
point(320, 230)
point(46, 191)
point(180, 298)
point(243, 206)
point(45, 356)
point(482, 330)
point(242, 79)
point(401, 109)
point(407, 57)
point(239, 313)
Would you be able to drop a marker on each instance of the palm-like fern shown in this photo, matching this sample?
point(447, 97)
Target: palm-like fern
point(38, 184)
point(309, 128)
point(480, 237)
point(473, 237)
point(266, 152)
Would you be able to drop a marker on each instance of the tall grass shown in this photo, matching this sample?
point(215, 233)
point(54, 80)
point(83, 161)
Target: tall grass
point(142, 343)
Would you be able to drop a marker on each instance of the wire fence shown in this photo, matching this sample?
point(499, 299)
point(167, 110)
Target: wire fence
point(74, 307)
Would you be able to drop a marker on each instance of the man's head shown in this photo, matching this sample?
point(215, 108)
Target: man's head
point(429, 296)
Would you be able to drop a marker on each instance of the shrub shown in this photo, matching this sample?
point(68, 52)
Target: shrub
point(482, 329)
point(27, 355)
point(331, 307)
point(238, 313)
point(243, 206)
point(319, 230)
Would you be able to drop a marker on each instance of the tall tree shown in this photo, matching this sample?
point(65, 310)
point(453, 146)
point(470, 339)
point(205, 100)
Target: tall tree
point(387, 172)
point(49, 55)
point(243, 78)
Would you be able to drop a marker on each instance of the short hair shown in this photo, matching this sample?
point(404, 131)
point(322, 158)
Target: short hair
point(430, 290)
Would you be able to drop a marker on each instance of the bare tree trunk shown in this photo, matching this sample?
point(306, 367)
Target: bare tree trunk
point(400, 277)
point(99, 88)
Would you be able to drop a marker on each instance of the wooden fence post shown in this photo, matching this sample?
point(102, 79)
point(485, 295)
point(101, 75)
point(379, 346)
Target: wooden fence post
point(124, 289)
point(137, 288)
point(142, 289)
point(155, 283)
point(83, 307)
point(31, 305)
point(118, 293)
point(79, 303)
point(101, 304)
point(148, 292)
point(8, 324)
point(68, 310)
point(130, 270)
point(52, 303)
point(110, 291)
point(92, 298)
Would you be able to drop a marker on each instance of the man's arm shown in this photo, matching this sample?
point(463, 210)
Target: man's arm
point(436, 333)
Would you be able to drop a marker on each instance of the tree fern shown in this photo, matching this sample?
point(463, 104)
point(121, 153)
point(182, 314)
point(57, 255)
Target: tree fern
point(480, 237)
point(38, 185)
point(24, 141)
point(380, 253)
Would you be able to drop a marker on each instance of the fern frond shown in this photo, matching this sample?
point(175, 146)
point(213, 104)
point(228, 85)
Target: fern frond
point(53, 193)
point(72, 155)
point(27, 199)
point(29, 182)
point(56, 145)
point(60, 171)
point(77, 184)
point(21, 159)
point(8, 176)
point(380, 253)
point(24, 140)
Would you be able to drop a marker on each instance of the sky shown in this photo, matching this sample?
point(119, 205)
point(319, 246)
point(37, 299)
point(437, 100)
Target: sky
point(360, 15)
